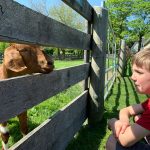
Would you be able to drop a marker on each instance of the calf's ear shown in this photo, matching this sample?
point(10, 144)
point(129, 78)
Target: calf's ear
point(13, 60)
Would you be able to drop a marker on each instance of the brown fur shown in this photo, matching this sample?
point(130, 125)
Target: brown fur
point(21, 59)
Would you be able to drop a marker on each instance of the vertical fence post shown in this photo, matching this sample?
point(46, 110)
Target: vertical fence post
point(122, 59)
point(87, 56)
point(97, 76)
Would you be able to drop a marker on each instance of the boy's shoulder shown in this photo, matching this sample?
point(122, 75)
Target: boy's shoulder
point(146, 104)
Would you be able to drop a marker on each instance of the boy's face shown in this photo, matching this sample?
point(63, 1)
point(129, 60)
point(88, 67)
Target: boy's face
point(141, 78)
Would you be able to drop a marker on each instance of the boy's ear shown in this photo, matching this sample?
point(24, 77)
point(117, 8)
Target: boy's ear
point(13, 60)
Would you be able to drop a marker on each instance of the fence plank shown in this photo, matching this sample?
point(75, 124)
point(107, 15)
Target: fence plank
point(87, 57)
point(21, 24)
point(122, 59)
point(21, 93)
point(82, 7)
point(55, 133)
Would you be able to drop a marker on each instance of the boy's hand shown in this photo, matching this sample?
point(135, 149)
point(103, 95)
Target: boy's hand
point(117, 126)
point(120, 127)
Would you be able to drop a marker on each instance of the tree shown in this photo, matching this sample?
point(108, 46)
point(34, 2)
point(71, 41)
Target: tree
point(130, 19)
point(119, 10)
point(140, 24)
point(40, 6)
point(68, 16)
point(62, 13)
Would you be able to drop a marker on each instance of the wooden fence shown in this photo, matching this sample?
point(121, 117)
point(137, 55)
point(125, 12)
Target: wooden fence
point(111, 60)
point(23, 25)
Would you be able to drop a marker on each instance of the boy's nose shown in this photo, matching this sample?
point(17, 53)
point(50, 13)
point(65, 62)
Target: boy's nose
point(133, 77)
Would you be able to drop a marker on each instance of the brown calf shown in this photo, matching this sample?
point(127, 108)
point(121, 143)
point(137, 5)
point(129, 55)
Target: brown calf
point(21, 59)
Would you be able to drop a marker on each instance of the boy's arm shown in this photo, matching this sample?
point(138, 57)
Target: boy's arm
point(126, 113)
point(119, 126)
point(132, 134)
point(133, 110)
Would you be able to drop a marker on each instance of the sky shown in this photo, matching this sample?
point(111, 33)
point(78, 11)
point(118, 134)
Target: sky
point(55, 2)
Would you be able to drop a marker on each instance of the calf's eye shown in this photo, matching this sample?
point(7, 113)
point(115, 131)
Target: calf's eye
point(41, 62)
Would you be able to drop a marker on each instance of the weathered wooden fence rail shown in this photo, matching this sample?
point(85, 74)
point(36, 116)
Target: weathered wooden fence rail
point(23, 25)
point(44, 86)
point(111, 60)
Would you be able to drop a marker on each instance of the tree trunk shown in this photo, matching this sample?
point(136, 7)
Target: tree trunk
point(140, 42)
point(63, 53)
point(59, 57)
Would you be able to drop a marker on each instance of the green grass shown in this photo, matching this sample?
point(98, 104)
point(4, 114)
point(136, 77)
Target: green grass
point(121, 95)
point(43, 111)
point(62, 64)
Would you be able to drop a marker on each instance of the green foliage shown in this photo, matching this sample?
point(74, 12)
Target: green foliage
point(130, 19)
point(49, 50)
point(141, 9)
point(140, 24)
point(3, 45)
point(119, 10)
point(147, 35)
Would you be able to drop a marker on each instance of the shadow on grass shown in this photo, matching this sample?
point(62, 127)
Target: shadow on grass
point(118, 95)
point(14, 128)
point(134, 91)
point(128, 71)
point(127, 92)
point(128, 76)
point(92, 138)
point(88, 138)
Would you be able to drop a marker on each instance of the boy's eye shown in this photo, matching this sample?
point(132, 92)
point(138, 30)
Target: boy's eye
point(139, 72)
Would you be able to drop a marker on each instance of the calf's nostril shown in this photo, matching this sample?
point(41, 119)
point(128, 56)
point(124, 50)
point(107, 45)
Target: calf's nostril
point(50, 63)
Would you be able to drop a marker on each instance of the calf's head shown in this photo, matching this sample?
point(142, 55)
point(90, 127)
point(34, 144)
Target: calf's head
point(22, 59)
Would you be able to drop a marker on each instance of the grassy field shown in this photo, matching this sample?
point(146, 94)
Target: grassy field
point(62, 64)
point(43, 111)
point(121, 95)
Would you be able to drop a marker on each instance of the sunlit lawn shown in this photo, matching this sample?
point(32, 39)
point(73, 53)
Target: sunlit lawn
point(121, 95)
point(43, 111)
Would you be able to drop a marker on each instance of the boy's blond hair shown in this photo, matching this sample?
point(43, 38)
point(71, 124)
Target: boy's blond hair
point(142, 59)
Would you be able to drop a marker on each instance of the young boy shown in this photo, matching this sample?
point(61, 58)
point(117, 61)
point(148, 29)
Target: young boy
point(126, 136)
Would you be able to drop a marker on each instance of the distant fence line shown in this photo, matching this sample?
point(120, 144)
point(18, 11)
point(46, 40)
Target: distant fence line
point(66, 57)
point(56, 57)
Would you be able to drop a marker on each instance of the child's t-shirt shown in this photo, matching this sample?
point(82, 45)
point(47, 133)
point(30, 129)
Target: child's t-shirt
point(144, 120)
